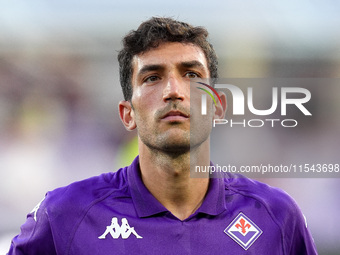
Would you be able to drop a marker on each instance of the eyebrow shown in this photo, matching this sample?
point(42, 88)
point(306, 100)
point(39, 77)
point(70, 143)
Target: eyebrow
point(156, 67)
point(193, 63)
point(149, 68)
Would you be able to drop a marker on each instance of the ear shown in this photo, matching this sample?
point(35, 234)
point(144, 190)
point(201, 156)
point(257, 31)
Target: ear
point(221, 109)
point(126, 115)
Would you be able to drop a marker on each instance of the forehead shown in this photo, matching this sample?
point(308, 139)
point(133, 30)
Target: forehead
point(169, 54)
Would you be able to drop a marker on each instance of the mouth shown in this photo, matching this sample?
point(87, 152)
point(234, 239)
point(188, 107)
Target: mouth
point(175, 116)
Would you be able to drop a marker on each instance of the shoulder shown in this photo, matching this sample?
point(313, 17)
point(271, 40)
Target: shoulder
point(78, 196)
point(62, 210)
point(274, 199)
point(280, 206)
point(282, 209)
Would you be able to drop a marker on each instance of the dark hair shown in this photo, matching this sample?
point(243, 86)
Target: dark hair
point(153, 32)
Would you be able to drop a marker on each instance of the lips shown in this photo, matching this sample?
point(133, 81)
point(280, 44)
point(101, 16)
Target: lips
point(175, 116)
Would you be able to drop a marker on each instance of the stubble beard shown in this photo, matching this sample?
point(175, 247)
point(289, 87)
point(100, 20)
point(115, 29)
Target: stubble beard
point(165, 144)
point(176, 144)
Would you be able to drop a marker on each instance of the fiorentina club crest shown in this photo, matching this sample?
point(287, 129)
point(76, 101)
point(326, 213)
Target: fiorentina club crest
point(243, 231)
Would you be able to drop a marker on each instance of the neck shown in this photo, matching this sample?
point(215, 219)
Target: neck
point(167, 177)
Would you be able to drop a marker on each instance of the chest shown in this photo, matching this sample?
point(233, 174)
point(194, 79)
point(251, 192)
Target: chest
point(237, 232)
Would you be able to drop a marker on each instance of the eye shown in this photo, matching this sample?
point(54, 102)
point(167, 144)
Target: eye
point(191, 75)
point(151, 78)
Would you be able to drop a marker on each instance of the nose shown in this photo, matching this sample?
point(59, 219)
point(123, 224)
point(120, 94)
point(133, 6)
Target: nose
point(174, 89)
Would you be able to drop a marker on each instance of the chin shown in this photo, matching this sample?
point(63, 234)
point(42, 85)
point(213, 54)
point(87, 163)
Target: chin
point(175, 145)
point(176, 148)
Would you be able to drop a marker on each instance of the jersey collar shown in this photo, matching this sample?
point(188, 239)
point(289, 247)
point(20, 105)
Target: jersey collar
point(147, 205)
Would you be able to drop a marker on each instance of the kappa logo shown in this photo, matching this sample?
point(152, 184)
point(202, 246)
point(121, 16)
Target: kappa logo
point(243, 231)
point(116, 231)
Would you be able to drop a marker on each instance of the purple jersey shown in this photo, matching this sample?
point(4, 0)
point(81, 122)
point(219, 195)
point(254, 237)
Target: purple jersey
point(114, 213)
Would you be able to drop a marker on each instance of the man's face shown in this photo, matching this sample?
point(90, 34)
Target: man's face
point(161, 95)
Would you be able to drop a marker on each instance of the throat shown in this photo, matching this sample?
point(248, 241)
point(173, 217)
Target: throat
point(177, 192)
point(167, 177)
point(185, 211)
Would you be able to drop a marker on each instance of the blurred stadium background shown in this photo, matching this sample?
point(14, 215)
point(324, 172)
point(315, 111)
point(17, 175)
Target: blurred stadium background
point(59, 91)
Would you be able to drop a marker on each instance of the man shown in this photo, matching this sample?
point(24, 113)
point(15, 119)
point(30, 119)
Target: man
point(153, 206)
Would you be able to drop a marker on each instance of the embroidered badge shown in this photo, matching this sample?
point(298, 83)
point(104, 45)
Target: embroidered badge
point(116, 231)
point(243, 231)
